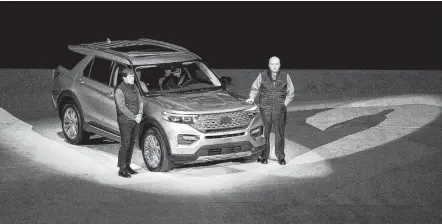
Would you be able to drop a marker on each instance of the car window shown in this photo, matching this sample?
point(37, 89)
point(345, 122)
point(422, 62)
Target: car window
point(101, 70)
point(150, 76)
point(197, 73)
point(192, 75)
point(87, 69)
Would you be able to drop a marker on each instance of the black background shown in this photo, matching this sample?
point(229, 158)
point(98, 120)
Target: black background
point(305, 35)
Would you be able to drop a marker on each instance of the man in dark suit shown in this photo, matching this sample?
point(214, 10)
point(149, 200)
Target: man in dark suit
point(129, 113)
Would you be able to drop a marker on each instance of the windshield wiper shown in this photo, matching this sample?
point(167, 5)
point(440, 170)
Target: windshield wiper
point(201, 89)
point(212, 88)
point(152, 94)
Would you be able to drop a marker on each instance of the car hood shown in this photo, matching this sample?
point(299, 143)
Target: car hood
point(203, 102)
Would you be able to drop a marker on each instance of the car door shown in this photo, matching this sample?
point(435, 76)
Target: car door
point(86, 92)
point(109, 108)
point(94, 88)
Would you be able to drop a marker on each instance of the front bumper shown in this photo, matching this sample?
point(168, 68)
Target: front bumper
point(218, 153)
point(211, 146)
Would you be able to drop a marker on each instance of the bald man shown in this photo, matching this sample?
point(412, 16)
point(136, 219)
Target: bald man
point(276, 92)
point(129, 113)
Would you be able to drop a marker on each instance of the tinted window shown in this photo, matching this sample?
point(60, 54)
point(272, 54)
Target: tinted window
point(197, 73)
point(194, 75)
point(101, 70)
point(70, 59)
point(151, 76)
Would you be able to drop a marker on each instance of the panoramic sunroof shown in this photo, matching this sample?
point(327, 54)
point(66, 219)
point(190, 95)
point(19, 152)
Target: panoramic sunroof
point(143, 48)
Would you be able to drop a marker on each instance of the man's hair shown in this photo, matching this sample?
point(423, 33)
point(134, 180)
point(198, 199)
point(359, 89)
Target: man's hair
point(126, 72)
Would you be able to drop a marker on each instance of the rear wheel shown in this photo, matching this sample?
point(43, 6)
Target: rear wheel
point(154, 149)
point(72, 125)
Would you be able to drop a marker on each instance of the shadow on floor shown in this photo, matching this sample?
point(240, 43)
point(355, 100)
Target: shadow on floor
point(312, 137)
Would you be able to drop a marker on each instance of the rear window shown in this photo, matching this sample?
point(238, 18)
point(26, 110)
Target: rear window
point(70, 59)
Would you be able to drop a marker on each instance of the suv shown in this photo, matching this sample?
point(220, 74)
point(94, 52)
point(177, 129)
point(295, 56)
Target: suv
point(198, 120)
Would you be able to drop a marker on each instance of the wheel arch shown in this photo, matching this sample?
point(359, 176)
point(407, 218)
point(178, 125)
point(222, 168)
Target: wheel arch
point(68, 96)
point(149, 122)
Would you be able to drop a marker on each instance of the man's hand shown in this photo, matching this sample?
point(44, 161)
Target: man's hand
point(250, 100)
point(138, 118)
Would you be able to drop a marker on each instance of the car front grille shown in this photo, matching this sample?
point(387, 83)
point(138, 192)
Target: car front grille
point(222, 121)
point(224, 135)
point(225, 150)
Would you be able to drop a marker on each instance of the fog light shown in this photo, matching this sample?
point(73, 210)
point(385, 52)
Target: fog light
point(187, 139)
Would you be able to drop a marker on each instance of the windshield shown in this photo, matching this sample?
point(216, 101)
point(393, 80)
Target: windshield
point(176, 77)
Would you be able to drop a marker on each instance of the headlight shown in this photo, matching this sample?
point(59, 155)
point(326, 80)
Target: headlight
point(252, 112)
point(257, 131)
point(179, 118)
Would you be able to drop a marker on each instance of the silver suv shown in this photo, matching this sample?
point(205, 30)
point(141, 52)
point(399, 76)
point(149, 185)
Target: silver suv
point(197, 120)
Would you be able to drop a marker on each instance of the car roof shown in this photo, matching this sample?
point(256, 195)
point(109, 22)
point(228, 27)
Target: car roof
point(136, 52)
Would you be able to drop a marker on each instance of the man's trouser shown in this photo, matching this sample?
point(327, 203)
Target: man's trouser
point(129, 133)
point(276, 118)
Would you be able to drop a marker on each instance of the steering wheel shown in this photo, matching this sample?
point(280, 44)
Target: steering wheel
point(188, 82)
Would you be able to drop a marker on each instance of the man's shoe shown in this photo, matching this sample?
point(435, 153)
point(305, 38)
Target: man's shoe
point(123, 173)
point(130, 170)
point(281, 161)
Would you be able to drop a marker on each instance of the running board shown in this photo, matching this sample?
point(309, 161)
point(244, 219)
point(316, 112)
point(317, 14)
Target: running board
point(102, 132)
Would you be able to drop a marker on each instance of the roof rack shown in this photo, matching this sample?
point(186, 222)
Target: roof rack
point(177, 47)
point(164, 44)
point(121, 43)
point(107, 50)
point(107, 45)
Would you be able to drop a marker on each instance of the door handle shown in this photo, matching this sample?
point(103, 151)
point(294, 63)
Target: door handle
point(110, 94)
point(80, 81)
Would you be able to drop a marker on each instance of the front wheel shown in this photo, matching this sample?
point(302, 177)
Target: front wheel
point(154, 151)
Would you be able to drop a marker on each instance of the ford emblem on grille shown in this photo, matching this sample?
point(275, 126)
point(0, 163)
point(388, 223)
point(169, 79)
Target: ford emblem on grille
point(225, 120)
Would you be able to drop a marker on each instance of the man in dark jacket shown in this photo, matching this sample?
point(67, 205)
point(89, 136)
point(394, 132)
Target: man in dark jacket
point(129, 113)
point(276, 92)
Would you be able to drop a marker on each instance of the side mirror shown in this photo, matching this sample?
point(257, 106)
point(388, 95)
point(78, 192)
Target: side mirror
point(226, 80)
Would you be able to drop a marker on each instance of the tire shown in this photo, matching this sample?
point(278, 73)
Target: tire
point(71, 115)
point(155, 158)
